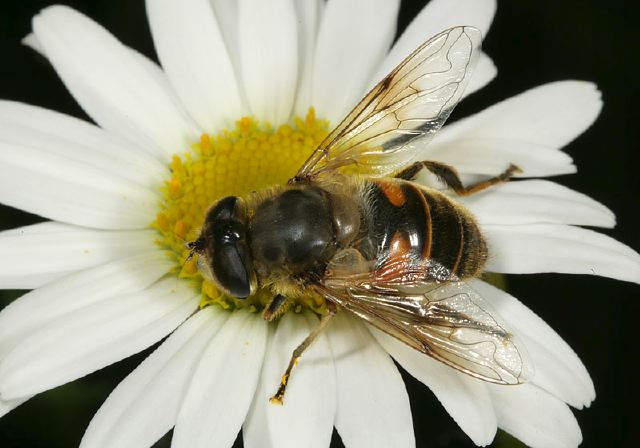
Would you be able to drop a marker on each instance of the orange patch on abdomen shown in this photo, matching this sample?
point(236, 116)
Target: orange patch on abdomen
point(393, 192)
point(398, 259)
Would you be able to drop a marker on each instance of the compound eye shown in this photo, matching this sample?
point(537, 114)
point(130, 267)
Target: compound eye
point(231, 267)
point(228, 252)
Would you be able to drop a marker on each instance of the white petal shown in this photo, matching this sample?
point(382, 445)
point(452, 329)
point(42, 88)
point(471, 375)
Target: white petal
point(558, 369)
point(193, 54)
point(493, 156)
point(465, 398)
point(256, 428)
point(306, 418)
point(8, 406)
point(528, 249)
point(54, 185)
point(223, 384)
point(437, 16)
point(56, 133)
point(309, 13)
point(32, 256)
point(39, 307)
point(269, 57)
point(483, 73)
point(111, 83)
point(31, 41)
point(147, 64)
point(372, 402)
point(93, 337)
point(145, 404)
point(226, 13)
point(157, 74)
point(354, 36)
point(537, 201)
point(526, 129)
point(535, 417)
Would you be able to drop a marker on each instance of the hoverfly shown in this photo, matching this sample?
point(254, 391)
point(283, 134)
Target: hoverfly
point(394, 253)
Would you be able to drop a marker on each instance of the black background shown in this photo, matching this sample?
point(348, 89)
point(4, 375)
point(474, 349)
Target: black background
point(531, 42)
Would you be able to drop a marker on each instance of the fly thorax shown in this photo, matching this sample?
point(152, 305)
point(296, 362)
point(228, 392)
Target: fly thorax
point(293, 232)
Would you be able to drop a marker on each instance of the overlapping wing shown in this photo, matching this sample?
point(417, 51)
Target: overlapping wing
point(403, 110)
point(448, 321)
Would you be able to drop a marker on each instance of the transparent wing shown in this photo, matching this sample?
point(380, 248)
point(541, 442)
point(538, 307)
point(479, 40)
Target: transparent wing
point(404, 110)
point(448, 321)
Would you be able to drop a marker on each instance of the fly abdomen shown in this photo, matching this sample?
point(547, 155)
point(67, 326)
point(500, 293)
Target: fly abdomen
point(407, 221)
point(457, 242)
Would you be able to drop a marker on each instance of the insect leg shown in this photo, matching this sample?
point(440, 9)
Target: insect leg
point(450, 177)
point(278, 398)
point(276, 307)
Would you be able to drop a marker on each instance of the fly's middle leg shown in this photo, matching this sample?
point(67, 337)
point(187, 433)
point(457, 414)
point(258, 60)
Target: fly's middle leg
point(278, 397)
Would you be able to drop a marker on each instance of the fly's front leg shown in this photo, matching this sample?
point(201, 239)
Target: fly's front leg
point(450, 177)
point(278, 398)
point(276, 307)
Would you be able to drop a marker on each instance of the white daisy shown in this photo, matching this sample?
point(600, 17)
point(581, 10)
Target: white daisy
point(121, 195)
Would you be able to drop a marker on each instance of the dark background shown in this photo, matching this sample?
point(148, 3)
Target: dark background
point(531, 42)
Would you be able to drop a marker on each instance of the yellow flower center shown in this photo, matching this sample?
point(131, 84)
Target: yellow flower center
point(235, 162)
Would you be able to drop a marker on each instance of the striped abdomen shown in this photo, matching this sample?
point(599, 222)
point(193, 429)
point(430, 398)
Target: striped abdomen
point(406, 219)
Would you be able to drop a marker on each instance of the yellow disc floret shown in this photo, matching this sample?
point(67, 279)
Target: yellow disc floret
point(250, 157)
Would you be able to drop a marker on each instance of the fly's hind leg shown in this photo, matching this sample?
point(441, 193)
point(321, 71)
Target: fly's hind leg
point(278, 398)
point(450, 177)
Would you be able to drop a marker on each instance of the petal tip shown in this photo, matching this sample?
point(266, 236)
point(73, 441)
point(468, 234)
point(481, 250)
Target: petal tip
point(586, 90)
point(31, 41)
